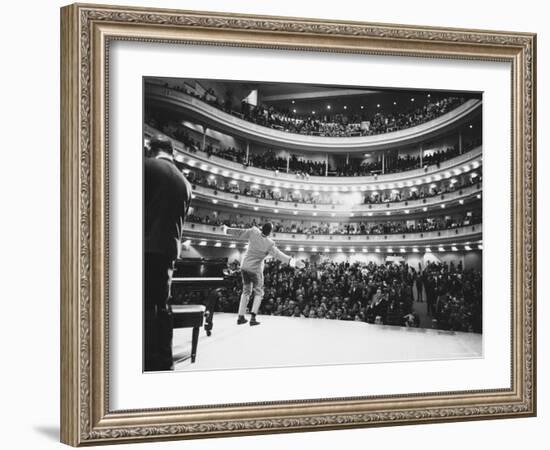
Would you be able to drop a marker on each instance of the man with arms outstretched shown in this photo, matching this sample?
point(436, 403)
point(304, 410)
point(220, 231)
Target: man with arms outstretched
point(260, 245)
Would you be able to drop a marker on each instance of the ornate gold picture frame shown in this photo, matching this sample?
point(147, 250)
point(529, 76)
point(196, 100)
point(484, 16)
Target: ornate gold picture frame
point(87, 32)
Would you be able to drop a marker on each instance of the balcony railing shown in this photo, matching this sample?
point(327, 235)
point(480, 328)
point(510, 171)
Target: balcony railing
point(199, 159)
point(246, 202)
point(471, 233)
point(219, 119)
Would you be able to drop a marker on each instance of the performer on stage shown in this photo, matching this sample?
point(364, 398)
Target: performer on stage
point(260, 245)
point(167, 195)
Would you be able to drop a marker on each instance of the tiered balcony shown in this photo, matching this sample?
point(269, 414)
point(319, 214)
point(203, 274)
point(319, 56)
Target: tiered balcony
point(216, 165)
point(210, 196)
point(227, 123)
point(462, 238)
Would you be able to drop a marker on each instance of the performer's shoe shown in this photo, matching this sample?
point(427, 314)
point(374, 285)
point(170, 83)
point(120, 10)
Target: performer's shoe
point(241, 320)
point(253, 321)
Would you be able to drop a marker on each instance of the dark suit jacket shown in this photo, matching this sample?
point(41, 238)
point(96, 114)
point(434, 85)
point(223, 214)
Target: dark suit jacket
point(167, 199)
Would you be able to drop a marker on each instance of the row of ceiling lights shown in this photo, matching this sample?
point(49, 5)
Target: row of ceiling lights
point(325, 188)
point(427, 249)
point(373, 188)
point(315, 213)
point(329, 107)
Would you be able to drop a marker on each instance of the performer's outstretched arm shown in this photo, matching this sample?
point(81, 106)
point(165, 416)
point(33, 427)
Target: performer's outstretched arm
point(241, 233)
point(278, 254)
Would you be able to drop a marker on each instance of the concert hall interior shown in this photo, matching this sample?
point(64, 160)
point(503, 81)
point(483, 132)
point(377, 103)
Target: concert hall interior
point(377, 191)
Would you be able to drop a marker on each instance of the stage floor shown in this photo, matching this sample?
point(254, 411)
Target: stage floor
point(292, 341)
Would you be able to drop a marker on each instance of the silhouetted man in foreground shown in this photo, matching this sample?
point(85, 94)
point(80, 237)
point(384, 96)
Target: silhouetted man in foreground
point(167, 195)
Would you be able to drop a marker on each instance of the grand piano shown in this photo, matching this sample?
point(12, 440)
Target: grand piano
point(206, 278)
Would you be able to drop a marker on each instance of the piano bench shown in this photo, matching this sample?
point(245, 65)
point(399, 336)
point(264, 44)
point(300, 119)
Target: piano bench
point(189, 316)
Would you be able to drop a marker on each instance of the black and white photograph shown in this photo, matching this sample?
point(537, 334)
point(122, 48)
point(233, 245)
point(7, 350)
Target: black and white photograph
point(303, 224)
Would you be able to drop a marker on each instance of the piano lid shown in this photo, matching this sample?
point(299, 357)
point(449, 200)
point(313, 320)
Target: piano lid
point(199, 268)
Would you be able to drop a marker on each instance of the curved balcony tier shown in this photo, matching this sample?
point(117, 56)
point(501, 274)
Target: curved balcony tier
point(462, 236)
point(216, 165)
point(242, 203)
point(227, 123)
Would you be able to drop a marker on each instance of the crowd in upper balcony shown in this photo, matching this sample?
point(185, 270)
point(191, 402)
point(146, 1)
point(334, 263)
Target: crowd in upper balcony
point(365, 292)
point(326, 198)
point(375, 227)
point(329, 125)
